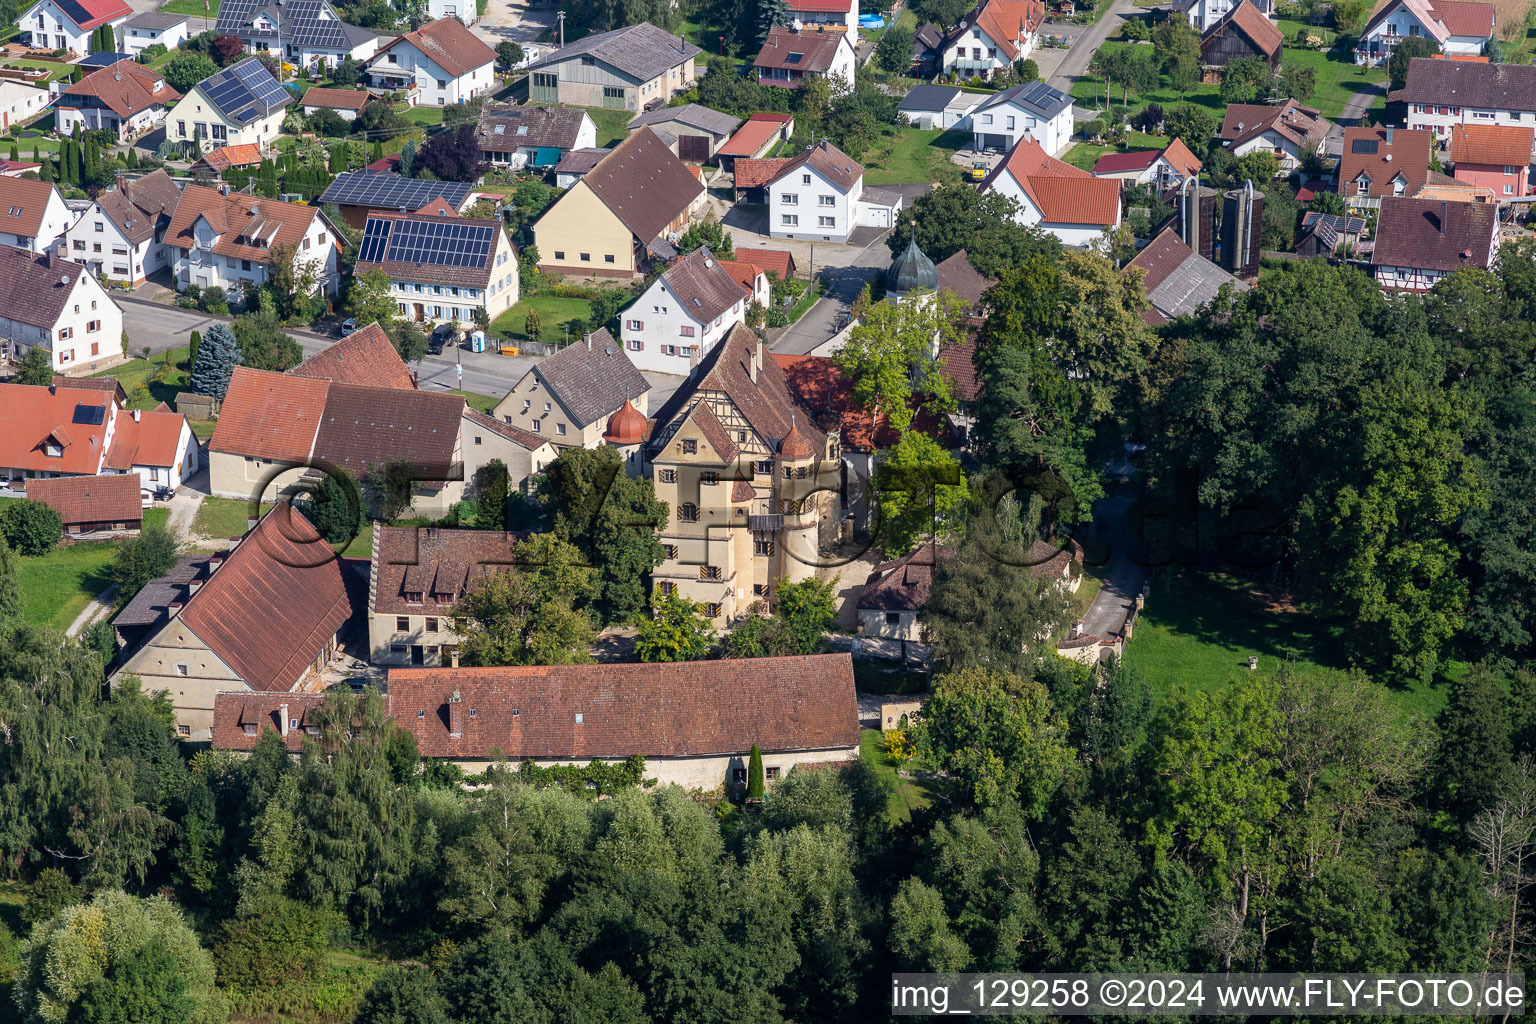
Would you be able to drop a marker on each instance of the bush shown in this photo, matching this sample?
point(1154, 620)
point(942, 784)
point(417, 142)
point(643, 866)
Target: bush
point(276, 940)
point(30, 527)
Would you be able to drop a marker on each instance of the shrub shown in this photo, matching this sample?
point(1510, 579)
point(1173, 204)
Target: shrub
point(30, 527)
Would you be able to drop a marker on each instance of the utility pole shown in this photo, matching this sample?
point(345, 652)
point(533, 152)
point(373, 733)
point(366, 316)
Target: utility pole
point(560, 17)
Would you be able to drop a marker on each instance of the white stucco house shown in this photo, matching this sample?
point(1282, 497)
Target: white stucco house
point(55, 304)
point(1288, 131)
point(820, 195)
point(445, 62)
point(465, 11)
point(126, 98)
point(32, 213)
point(121, 235)
point(441, 267)
point(1054, 196)
point(1203, 14)
point(1440, 94)
point(841, 14)
point(1035, 110)
point(142, 31)
point(227, 240)
point(68, 24)
point(692, 306)
point(308, 33)
point(1459, 27)
point(19, 103)
point(992, 37)
point(241, 105)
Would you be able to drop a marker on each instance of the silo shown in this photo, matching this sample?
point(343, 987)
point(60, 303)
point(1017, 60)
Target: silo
point(1242, 221)
point(1197, 217)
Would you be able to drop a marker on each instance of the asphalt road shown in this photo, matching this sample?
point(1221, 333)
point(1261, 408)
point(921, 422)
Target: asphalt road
point(1075, 64)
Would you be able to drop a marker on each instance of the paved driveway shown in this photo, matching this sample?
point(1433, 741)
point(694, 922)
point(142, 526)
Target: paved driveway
point(506, 20)
point(1075, 64)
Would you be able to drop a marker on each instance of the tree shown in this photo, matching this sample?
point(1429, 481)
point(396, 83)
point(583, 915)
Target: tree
point(533, 614)
point(335, 509)
point(1324, 201)
point(452, 155)
point(347, 73)
point(1475, 753)
point(942, 13)
point(149, 555)
point(117, 958)
point(328, 123)
point(802, 613)
point(676, 630)
point(509, 55)
point(950, 218)
point(533, 327)
point(1405, 51)
point(920, 490)
point(36, 367)
point(30, 527)
point(227, 49)
point(408, 338)
point(187, 69)
point(894, 357)
point(403, 995)
point(379, 121)
point(1026, 70)
point(894, 51)
point(408, 159)
point(369, 301)
point(709, 233)
point(10, 587)
point(1176, 46)
point(1259, 167)
point(1245, 80)
point(263, 343)
point(271, 940)
point(217, 357)
point(1298, 81)
point(755, 776)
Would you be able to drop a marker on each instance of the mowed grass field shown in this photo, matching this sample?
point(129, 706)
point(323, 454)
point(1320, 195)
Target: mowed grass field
point(1198, 630)
point(554, 310)
point(57, 586)
point(913, 155)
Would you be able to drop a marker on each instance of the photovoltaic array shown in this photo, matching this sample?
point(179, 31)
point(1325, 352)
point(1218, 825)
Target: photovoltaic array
point(435, 243)
point(392, 191)
point(245, 91)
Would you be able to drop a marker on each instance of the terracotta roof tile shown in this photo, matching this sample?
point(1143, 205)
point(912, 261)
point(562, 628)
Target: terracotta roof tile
point(126, 88)
point(703, 417)
point(776, 261)
point(336, 99)
point(153, 439)
point(1381, 155)
point(363, 428)
point(754, 173)
point(829, 161)
point(366, 356)
point(239, 222)
point(274, 604)
point(819, 386)
point(702, 285)
point(1503, 145)
point(1466, 19)
point(439, 565)
point(29, 198)
point(91, 499)
point(1006, 22)
point(269, 415)
point(751, 137)
point(1427, 235)
point(91, 13)
point(222, 159)
point(958, 275)
point(449, 44)
point(806, 50)
point(1251, 22)
point(29, 415)
point(1119, 163)
point(1303, 126)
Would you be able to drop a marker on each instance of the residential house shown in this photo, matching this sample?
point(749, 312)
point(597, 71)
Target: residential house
point(1036, 110)
point(627, 209)
point(268, 617)
point(520, 136)
point(1241, 32)
point(101, 59)
point(227, 240)
point(753, 280)
point(577, 164)
point(841, 15)
point(32, 214)
point(121, 236)
point(1289, 131)
point(1163, 169)
point(359, 194)
point(275, 427)
point(442, 268)
point(790, 55)
point(242, 104)
point(1054, 196)
point(1419, 241)
point(691, 131)
point(756, 138)
point(750, 477)
point(366, 357)
point(683, 313)
point(627, 68)
point(127, 99)
point(695, 724)
point(927, 50)
point(216, 161)
point(569, 397)
point(1495, 157)
point(778, 262)
point(994, 35)
point(68, 24)
point(417, 575)
point(142, 31)
point(443, 61)
point(1442, 93)
point(464, 10)
point(21, 103)
point(308, 33)
point(344, 103)
point(1456, 27)
point(826, 184)
point(524, 454)
point(1178, 281)
point(57, 305)
point(1381, 162)
point(1203, 14)
point(937, 106)
point(63, 431)
point(92, 504)
point(1329, 234)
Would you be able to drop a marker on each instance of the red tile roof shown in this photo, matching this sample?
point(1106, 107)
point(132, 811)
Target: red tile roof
point(644, 184)
point(150, 438)
point(126, 88)
point(30, 415)
point(449, 44)
point(270, 415)
point(828, 161)
point(239, 222)
point(759, 130)
point(1064, 194)
point(517, 435)
point(1383, 154)
point(744, 274)
point(366, 356)
point(222, 159)
point(439, 565)
point(1251, 22)
point(806, 50)
point(703, 287)
point(1467, 19)
point(274, 604)
point(817, 384)
point(1007, 22)
point(91, 499)
point(336, 99)
point(29, 197)
point(1180, 158)
point(821, 6)
point(1425, 234)
point(109, 385)
point(90, 13)
point(902, 585)
point(776, 261)
point(1119, 163)
point(958, 275)
point(755, 173)
point(1506, 145)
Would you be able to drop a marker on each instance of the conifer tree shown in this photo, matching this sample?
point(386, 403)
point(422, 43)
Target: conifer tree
point(217, 357)
point(755, 776)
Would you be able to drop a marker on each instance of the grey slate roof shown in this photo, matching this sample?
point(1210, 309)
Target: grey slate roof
point(1178, 280)
point(641, 51)
point(928, 97)
point(592, 377)
point(580, 161)
point(506, 128)
point(155, 20)
point(693, 115)
point(1469, 84)
point(1044, 100)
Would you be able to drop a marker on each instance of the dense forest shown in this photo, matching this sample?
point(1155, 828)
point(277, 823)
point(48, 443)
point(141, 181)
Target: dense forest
point(1069, 819)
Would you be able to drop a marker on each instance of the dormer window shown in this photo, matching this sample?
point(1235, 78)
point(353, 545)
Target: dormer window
point(443, 598)
point(53, 451)
point(413, 597)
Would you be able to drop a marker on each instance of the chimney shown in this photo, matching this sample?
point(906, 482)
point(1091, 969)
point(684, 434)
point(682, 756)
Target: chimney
point(587, 337)
point(136, 416)
point(757, 360)
point(250, 523)
point(194, 586)
point(282, 722)
point(1443, 212)
point(455, 714)
point(213, 564)
point(175, 608)
point(1389, 139)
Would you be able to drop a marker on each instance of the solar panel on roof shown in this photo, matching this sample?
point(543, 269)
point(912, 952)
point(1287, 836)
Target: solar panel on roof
point(1362, 146)
point(93, 415)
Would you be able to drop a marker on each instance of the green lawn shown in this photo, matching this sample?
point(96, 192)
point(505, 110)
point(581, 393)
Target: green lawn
point(137, 372)
point(554, 310)
point(1089, 93)
point(56, 586)
point(1338, 78)
point(224, 517)
point(191, 8)
point(483, 403)
point(422, 115)
point(1085, 155)
point(1198, 630)
point(362, 544)
point(907, 795)
point(912, 155)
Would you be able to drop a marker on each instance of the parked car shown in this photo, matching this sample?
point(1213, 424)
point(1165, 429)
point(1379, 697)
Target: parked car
point(348, 326)
point(442, 336)
point(164, 493)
